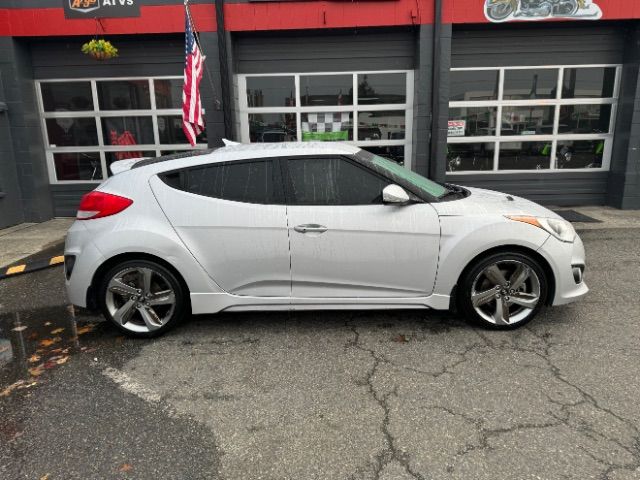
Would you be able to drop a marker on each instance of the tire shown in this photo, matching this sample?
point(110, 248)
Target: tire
point(500, 11)
point(502, 283)
point(142, 298)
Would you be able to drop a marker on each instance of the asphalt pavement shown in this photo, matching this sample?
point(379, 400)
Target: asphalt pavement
point(326, 395)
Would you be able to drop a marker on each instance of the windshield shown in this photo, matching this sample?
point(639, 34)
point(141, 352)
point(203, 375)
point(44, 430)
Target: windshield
point(395, 170)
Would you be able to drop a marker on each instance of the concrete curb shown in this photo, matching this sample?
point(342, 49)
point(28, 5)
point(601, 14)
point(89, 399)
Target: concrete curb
point(21, 268)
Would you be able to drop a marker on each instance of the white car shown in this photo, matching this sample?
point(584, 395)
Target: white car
point(310, 226)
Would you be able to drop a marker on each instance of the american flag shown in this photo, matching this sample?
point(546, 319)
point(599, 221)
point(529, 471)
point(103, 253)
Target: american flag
point(192, 118)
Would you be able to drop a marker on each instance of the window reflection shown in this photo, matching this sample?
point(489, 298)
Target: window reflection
point(66, 96)
point(127, 131)
point(271, 92)
point(64, 131)
point(588, 82)
point(78, 166)
point(124, 95)
point(473, 85)
point(381, 125)
point(380, 88)
point(168, 93)
point(320, 90)
point(524, 156)
point(530, 84)
point(272, 127)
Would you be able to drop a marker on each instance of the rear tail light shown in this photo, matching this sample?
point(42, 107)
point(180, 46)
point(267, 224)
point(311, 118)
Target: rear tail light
point(101, 204)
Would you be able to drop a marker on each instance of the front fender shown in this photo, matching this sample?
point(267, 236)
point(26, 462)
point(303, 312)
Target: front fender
point(463, 238)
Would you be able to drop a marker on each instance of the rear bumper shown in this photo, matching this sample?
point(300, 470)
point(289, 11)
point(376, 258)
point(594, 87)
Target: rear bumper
point(87, 260)
point(564, 258)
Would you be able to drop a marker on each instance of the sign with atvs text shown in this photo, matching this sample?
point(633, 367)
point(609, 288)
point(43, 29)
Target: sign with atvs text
point(101, 8)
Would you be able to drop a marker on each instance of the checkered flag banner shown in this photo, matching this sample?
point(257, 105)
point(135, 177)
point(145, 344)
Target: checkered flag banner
point(326, 126)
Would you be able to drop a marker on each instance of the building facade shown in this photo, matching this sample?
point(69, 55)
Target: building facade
point(538, 98)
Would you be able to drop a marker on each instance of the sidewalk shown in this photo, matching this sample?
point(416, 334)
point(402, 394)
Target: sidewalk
point(610, 217)
point(26, 239)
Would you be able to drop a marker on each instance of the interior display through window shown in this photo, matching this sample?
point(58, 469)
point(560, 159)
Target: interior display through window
point(89, 124)
point(371, 109)
point(550, 118)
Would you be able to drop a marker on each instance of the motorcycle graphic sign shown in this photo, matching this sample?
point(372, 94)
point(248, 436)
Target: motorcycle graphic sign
point(499, 11)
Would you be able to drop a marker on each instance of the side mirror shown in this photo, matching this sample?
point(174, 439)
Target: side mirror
point(395, 194)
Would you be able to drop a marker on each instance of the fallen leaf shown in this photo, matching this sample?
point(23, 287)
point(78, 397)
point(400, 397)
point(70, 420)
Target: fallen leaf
point(62, 360)
point(45, 477)
point(57, 331)
point(400, 338)
point(125, 467)
point(36, 371)
point(33, 336)
point(46, 324)
point(86, 329)
point(34, 358)
point(19, 328)
point(47, 342)
point(4, 348)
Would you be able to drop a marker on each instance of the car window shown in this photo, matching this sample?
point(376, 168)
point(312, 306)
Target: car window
point(249, 182)
point(332, 181)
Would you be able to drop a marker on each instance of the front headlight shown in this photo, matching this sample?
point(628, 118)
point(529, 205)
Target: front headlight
point(561, 229)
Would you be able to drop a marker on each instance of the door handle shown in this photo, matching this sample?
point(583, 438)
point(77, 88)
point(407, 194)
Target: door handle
point(310, 227)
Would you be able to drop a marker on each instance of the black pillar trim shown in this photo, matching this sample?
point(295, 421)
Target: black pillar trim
point(225, 77)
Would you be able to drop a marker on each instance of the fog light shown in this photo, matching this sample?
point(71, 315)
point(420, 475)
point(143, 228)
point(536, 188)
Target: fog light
point(578, 272)
point(69, 262)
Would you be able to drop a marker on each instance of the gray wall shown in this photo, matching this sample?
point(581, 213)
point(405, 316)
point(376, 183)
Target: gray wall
point(146, 55)
point(624, 178)
point(548, 44)
point(25, 134)
point(337, 50)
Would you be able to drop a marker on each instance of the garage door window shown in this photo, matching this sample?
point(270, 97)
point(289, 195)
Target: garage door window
point(89, 124)
point(546, 118)
point(371, 109)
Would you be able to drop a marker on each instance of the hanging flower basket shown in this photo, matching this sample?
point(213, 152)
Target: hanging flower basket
point(100, 49)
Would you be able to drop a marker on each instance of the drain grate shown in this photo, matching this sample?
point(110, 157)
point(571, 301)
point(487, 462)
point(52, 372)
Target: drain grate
point(573, 216)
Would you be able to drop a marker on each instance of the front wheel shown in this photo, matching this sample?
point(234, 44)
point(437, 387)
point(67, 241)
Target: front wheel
point(503, 291)
point(142, 298)
point(500, 11)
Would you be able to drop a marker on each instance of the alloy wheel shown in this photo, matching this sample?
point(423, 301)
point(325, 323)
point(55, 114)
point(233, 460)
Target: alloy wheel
point(140, 299)
point(505, 292)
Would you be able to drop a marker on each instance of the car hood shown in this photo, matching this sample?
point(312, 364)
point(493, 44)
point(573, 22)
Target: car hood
point(488, 202)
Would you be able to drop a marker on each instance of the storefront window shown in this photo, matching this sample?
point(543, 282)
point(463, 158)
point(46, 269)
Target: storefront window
point(589, 82)
point(271, 91)
point(565, 128)
point(474, 121)
point(327, 126)
point(124, 95)
point(67, 97)
point(530, 84)
point(90, 124)
point(78, 166)
point(474, 85)
point(272, 127)
point(470, 156)
point(527, 120)
point(321, 90)
point(376, 117)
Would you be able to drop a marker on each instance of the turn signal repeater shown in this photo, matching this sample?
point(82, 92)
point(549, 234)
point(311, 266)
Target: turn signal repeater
point(100, 204)
point(561, 229)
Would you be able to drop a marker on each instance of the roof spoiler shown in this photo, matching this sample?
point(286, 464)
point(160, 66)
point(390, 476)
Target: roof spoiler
point(124, 165)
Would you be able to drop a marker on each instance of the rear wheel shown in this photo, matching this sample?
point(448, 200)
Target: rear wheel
point(503, 291)
point(142, 298)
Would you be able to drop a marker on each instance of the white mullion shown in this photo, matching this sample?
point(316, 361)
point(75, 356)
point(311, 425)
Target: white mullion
point(296, 82)
point(101, 144)
point(408, 121)
point(355, 100)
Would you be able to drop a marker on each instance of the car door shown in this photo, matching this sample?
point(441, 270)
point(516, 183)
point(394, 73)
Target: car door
point(232, 218)
point(345, 242)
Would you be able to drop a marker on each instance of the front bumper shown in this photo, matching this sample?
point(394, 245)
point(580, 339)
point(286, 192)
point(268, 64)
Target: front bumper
point(565, 260)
